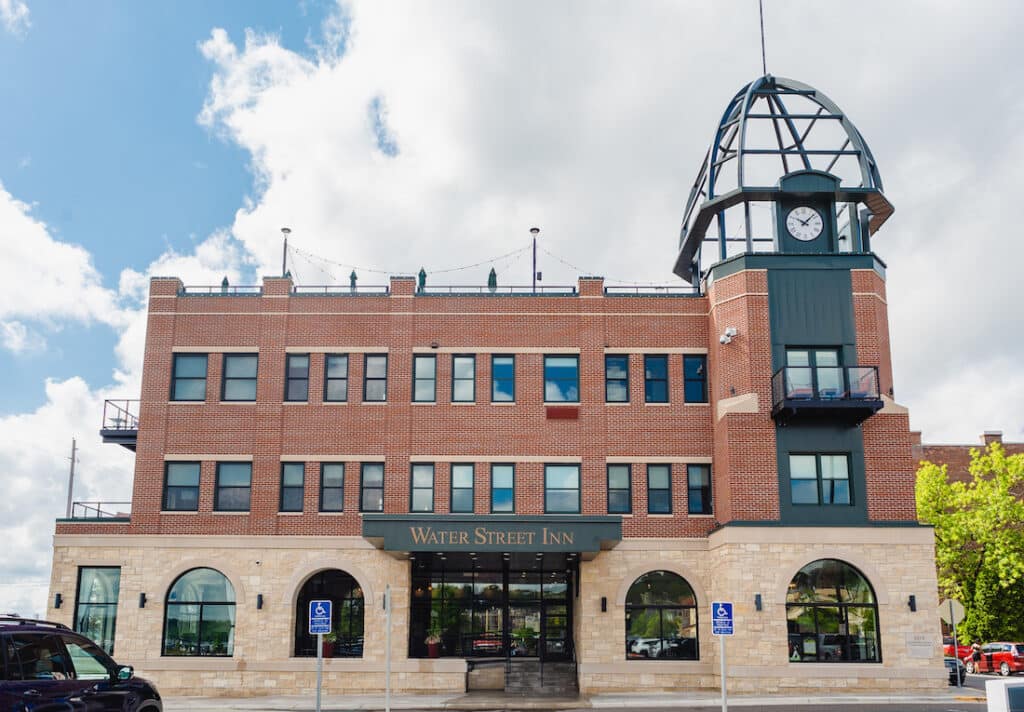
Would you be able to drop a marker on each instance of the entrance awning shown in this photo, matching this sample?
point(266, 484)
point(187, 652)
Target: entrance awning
point(495, 533)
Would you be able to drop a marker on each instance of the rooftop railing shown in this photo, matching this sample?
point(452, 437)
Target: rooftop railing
point(121, 414)
point(222, 291)
point(651, 291)
point(334, 290)
point(101, 510)
point(502, 291)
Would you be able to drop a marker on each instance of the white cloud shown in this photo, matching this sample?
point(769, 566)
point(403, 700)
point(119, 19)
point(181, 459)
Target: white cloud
point(14, 16)
point(18, 338)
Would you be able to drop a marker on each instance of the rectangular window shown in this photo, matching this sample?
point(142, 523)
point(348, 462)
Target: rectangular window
point(375, 378)
point(656, 379)
point(463, 379)
point(371, 487)
point(181, 487)
point(424, 378)
point(561, 489)
point(96, 604)
point(503, 379)
point(698, 489)
point(616, 379)
point(234, 484)
point(819, 479)
point(336, 378)
point(332, 487)
point(293, 480)
point(462, 488)
point(659, 489)
point(503, 488)
point(296, 382)
point(620, 495)
point(695, 379)
point(239, 377)
point(562, 379)
point(188, 377)
point(814, 373)
point(422, 495)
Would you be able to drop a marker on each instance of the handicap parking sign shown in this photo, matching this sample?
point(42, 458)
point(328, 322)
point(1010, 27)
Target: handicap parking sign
point(319, 617)
point(721, 618)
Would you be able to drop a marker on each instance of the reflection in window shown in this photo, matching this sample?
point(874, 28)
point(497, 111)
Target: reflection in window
point(234, 482)
point(181, 487)
point(562, 489)
point(371, 495)
point(620, 494)
point(188, 378)
point(659, 489)
point(462, 488)
point(503, 488)
point(346, 597)
point(562, 379)
point(463, 379)
point(332, 487)
point(375, 378)
point(819, 479)
point(297, 378)
point(199, 618)
point(616, 378)
point(695, 379)
point(503, 379)
point(831, 615)
point(424, 378)
point(656, 379)
point(698, 489)
point(422, 496)
point(96, 604)
point(661, 618)
point(239, 377)
point(293, 480)
point(336, 378)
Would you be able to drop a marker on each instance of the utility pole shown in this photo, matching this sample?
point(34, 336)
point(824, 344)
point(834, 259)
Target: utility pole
point(534, 231)
point(71, 476)
point(286, 231)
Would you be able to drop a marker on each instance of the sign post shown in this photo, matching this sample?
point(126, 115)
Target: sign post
point(954, 613)
point(319, 624)
point(722, 625)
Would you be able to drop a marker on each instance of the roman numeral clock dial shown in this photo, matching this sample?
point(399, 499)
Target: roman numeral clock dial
point(804, 223)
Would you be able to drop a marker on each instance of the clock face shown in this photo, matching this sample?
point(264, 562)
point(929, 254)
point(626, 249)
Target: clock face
point(804, 223)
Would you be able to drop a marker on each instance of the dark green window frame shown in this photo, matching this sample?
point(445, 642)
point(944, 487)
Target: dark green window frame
point(462, 467)
point(418, 490)
point(96, 608)
point(173, 492)
point(652, 383)
point(620, 508)
point(230, 382)
point(698, 489)
point(511, 469)
point(296, 378)
point(458, 380)
point(426, 381)
point(365, 489)
point(562, 386)
point(178, 379)
point(333, 383)
point(221, 489)
point(695, 378)
point(503, 360)
point(663, 505)
point(292, 472)
point(368, 380)
point(621, 381)
point(553, 495)
point(214, 619)
point(336, 491)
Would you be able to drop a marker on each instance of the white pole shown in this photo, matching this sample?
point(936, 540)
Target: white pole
point(956, 651)
point(387, 648)
point(319, 667)
point(71, 476)
point(725, 703)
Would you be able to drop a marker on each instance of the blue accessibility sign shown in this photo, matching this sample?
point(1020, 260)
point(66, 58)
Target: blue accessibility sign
point(319, 617)
point(721, 618)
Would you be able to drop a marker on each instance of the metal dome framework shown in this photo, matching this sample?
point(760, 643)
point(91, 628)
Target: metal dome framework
point(771, 128)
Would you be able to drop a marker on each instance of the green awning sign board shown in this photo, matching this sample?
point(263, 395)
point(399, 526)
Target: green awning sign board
point(499, 533)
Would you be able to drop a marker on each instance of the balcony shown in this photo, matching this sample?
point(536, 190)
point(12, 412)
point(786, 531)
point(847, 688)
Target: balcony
point(100, 512)
point(121, 422)
point(831, 393)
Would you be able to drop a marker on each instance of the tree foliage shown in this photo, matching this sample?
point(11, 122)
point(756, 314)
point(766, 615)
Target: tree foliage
point(979, 540)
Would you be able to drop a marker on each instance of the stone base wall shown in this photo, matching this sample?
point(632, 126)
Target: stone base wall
point(733, 564)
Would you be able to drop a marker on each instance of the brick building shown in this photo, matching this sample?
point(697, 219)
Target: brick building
point(553, 486)
point(958, 457)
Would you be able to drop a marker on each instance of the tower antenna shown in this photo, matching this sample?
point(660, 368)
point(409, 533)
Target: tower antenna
point(764, 63)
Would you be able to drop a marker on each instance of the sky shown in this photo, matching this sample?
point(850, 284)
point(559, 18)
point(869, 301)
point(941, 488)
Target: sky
point(142, 139)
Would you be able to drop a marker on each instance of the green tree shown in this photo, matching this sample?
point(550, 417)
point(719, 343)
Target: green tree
point(979, 540)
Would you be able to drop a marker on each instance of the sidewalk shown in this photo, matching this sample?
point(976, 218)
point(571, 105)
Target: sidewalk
point(498, 701)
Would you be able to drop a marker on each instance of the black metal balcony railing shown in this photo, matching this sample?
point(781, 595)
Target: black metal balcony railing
point(335, 290)
point(651, 291)
point(223, 290)
point(101, 510)
point(121, 422)
point(502, 291)
point(845, 391)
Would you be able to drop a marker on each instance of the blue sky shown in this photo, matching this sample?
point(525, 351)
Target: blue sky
point(177, 138)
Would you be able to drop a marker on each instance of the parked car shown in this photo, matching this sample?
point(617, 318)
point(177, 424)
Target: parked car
point(46, 667)
point(963, 650)
point(955, 668)
point(644, 648)
point(1004, 658)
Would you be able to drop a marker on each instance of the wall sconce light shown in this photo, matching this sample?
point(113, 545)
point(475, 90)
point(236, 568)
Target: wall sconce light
point(259, 601)
point(604, 604)
point(142, 600)
point(912, 603)
point(757, 602)
point(434, 345)
point(728, 335)
point(57, 600)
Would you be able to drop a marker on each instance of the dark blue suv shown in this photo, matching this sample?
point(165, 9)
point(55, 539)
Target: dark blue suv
point(45, 667)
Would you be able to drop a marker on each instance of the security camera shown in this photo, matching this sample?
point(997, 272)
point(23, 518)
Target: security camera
point(723, 339)
point(730, 331)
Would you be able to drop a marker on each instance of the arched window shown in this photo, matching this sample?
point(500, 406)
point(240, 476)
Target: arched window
point(661, 618)
point(199, 618)
point(346, 598)
point(831, 615)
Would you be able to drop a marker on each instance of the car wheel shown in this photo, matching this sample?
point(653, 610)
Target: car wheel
point(970, 666)
point(1004, 669)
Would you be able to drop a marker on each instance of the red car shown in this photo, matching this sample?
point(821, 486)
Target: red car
point(1004, 658)
point(962, 649)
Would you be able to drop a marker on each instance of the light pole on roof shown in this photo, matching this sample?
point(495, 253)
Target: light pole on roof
point(534, 231)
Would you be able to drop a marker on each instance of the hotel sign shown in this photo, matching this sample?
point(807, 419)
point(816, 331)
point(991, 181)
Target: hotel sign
point(493, 532)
